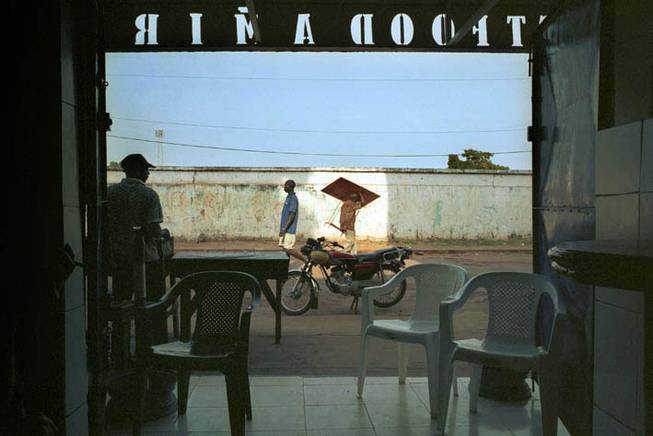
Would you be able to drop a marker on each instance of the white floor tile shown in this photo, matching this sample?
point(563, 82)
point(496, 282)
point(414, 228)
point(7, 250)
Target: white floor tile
point(275, 381)
point(204, 419)
point(277, 396)
point(277, 433)
point(248, 433)
point(277, 419)
point(208, 396)
point(328, 406)
point(348, 432)
point(477, 430)
point(207, 379)
point(330, 381)
point(319, 395)
point(389, 393)
point(401, 415)
point(382, 380)
point(336, 417)
point(408, 431)
point(417, 379)
point(486, 416)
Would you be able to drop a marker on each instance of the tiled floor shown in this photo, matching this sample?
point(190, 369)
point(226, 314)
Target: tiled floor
point(327, 406)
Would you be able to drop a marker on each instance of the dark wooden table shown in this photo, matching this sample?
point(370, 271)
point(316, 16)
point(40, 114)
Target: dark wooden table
point(264, 265)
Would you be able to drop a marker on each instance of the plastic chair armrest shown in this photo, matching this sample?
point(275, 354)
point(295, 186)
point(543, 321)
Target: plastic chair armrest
point(460, 297)
point(245, 320)
point(375, 291)
point(449, 305)
point(168, 299)
point(555, 347)
point(446, 309)
point(367, 294)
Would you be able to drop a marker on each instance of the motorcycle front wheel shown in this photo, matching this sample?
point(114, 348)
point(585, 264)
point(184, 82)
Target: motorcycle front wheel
point(394, 296)
point(296, 293)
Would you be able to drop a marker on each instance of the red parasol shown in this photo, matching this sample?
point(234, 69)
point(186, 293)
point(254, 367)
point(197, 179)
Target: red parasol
point(343, 188)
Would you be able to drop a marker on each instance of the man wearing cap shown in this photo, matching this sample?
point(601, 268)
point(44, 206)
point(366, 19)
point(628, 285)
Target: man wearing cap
point(133, 204)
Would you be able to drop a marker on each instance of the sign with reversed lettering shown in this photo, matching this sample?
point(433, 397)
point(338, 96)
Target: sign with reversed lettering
point(312, 25)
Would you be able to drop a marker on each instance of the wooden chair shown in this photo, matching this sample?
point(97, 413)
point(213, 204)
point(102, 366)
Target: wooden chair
point(220, 341)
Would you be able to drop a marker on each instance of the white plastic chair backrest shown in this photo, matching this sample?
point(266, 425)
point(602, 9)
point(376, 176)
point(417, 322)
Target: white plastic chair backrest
point(513, 302)
point(433, 283)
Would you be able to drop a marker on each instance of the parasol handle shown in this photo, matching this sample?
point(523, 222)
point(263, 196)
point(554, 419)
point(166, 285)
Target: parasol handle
point(336, 227)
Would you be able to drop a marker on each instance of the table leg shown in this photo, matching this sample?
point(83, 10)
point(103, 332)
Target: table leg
point(275, 301)
point(277, 313)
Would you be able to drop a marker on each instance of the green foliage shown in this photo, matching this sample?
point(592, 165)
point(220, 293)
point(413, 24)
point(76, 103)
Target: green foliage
point(474, 160)
point(114, 164)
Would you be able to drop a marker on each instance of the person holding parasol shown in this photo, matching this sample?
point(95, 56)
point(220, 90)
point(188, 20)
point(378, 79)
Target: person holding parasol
point(353, 198)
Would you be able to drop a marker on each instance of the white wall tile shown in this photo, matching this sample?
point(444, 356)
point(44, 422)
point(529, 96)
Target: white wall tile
point(76, 372)
point(646, 216)
point(618, 362)
point(646, 178)
point(629, 300)
point(74, 287)
point(618, 159)
point(69, 170)
point(606, 425)
point(617, 217)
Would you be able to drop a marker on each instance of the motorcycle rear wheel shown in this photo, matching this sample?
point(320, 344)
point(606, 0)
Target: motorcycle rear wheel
point(394, 296)
point(296, 293)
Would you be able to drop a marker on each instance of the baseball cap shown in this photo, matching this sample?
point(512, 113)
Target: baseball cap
point(135, 160)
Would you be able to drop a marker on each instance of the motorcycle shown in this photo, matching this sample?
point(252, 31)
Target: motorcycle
point(344, 274)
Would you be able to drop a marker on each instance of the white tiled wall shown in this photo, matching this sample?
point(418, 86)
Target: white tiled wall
point(618, 362)
point(76, 376)
point(618, 157)
point(646, 216)
point(624, 211)
point(617, 216)
point(647, 157)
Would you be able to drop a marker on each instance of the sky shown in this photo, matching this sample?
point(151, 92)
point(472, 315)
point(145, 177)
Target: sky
point(389, 109)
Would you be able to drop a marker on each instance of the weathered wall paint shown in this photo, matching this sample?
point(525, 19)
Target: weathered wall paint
point(245, 203)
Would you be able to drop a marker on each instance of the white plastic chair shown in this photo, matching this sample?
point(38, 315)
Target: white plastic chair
point(510, 338)
point(433, 282)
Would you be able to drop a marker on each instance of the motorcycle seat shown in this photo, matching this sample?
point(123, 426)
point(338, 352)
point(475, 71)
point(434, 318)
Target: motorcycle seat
point(375, 255)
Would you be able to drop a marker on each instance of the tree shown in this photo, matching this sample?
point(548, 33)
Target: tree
point(474, 160)
point(114, 164)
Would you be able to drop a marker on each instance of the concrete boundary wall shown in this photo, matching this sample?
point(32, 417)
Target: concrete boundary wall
point(203, 204)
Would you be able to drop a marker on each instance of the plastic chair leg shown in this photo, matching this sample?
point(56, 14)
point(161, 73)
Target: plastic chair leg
point(434, 380)
point(183, 380)
point(362, 365)
point(246, 392)
point(475, 387)
point(402, 364)
point(235, 403)
point(445, 374)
